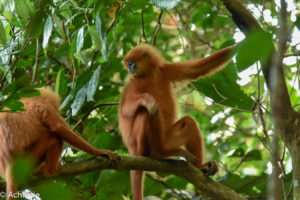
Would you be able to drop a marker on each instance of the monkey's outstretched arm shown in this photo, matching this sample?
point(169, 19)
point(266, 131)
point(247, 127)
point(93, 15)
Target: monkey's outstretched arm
point(56, 124)
point(198, 68)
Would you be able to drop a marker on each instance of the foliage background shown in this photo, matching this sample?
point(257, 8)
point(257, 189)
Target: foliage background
point(76, 47)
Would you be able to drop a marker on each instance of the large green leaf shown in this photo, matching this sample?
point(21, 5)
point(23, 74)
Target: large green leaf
point(250, 185)
point(22, 9)
point(165, 4)
point(257, 46)
point(93, 83)
point(79, 100)
point(223, 89)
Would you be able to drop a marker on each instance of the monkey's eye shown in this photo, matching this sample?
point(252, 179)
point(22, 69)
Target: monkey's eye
point(132, 67)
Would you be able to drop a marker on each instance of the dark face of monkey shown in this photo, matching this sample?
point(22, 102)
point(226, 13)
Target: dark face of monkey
point(132, 67)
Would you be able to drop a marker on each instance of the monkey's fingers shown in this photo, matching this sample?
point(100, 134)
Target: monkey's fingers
point(210, 168)
point(113, 158)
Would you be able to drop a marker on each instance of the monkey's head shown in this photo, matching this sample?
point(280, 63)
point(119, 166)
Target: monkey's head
point(143, 60)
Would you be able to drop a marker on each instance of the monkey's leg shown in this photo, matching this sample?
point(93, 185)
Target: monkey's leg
point(137, 146)
point(54, 149)
point(186, 132)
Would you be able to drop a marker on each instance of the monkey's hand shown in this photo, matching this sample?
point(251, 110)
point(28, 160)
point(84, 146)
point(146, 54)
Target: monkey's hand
point(150, 103)
point(113, 158)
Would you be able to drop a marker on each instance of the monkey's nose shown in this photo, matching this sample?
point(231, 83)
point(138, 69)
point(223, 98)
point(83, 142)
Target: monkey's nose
point(131, 66)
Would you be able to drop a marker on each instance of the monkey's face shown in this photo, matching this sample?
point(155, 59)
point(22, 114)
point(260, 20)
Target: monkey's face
point(139, 66)
point(132, 67)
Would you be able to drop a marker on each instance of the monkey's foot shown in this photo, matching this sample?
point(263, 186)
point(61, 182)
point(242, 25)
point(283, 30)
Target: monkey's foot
point(210, 168)
point(113, 158)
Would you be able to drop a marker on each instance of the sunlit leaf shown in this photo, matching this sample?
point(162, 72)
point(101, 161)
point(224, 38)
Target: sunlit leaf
point(79, 100)
point(47, 31)
point(165, 4)
point(80, 40)
point(93, 83)
point(102, 35)
point(9, 5)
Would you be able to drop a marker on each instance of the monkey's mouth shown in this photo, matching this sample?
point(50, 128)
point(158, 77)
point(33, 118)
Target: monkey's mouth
point(132, 67)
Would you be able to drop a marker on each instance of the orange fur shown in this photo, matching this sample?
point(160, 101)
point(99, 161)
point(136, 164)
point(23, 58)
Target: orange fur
point(40, 132)
point(147, 111)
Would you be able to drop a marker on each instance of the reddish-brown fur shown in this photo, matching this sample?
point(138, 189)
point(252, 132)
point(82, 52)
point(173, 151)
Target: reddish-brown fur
point(147, 112)
point(39, 131)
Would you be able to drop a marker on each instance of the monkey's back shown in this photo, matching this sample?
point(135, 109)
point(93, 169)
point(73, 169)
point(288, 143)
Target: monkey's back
point(19, 130)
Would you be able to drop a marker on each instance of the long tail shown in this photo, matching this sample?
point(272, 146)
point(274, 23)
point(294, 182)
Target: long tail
point(137, 183)
point(10, 184)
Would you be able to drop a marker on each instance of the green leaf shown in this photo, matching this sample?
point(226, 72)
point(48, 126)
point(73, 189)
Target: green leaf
point(80, 40)
point(61, 83)
point(57, 190)
point(22, 9)
point(250, 185)
point(47, 31)
point(22, 168)
point(165, 4)
point(93, 83)
point(13, 104)
point(239, 152)
point(95, 37)
point(223, 89)
point(102, 35)
point(253, 155)
point(9, 5)
point(79, 100)
point(257, 46)
point(2, 33)
point(119, 178)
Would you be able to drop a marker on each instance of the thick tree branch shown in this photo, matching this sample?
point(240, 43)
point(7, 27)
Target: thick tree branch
point(180, 168)
point(246, 22)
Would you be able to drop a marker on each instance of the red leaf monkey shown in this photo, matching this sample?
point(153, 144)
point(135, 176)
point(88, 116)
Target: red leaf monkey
point(39, 131)
point(147, 112)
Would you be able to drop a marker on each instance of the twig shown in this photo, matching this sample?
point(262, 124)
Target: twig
point(57, 61)
point(143, 36)
point(94, 58)
point(88, 113)
point(157, 28)
point(161, 181)
point(37, 59)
